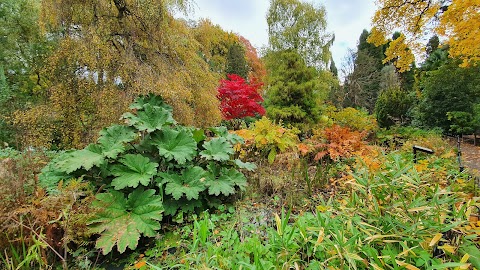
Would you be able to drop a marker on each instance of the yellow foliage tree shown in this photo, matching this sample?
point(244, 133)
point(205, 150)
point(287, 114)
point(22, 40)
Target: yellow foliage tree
point(456, 20)
point(215, 43)
point(112, 51)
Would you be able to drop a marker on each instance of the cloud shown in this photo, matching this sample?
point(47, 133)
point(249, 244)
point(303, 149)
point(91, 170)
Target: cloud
point(246, 17)
point(346, 19)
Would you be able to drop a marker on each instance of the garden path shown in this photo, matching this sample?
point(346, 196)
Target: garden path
point(471, 157)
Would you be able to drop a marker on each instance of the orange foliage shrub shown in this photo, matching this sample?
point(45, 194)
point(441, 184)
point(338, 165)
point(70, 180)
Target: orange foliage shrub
point(338, 142)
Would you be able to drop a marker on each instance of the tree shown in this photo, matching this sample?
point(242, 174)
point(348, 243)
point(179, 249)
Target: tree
point(461, 122)
point(449, 88)
point(432, 45)
point(333, 68)
point(294, 94)
point(236, 62)
point(257, 70)
point(457, 20)
point(377, 52)
point(23, 50)
point(395, 100)
point(215, 44)
point(238, 99)
point(392, 107)
point(389, 78)
point(366, 74)
point(23, 47)
point(299, 26)
point(112, 51)
point(362, 74)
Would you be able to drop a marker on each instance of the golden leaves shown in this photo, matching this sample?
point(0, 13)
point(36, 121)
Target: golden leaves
point(36, 126)
point(103, 60)
point(459, 22)
point(377, 37)
point(400, 54)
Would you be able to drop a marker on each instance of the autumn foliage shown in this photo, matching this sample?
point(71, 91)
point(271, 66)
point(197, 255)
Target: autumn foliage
point(258, 70)
point(456, 20)
point(239, 99)
point(340, 142)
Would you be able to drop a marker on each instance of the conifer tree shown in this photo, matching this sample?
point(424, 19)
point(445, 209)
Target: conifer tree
point(294, 93)
point(236, 62)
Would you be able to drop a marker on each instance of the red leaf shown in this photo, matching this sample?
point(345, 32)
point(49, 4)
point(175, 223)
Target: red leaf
point(239, 99)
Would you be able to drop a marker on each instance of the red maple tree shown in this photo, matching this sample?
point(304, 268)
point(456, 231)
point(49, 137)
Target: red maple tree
point(239, 99)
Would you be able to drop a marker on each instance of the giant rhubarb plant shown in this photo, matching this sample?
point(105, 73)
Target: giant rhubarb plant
point(149, 167)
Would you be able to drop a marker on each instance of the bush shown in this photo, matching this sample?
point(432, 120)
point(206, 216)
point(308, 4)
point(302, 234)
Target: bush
point(337, 143)
point(38, 229)
point(356, 120)
point(295, 92)
point(392, 107)
point(239, 99)
point(406, 137)
point(267, 139)
point(148, 168)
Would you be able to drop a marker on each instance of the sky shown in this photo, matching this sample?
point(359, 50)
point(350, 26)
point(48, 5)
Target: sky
point(346, 19)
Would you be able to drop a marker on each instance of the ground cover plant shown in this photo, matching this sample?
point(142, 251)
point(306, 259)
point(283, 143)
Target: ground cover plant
point(329, 201)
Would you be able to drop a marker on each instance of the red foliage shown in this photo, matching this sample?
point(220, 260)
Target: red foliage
point(238, 99)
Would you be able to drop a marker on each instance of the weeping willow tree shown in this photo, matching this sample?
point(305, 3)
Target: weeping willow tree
point(110, 52)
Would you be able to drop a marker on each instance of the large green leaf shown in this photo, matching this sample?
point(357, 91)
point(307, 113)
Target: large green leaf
point(145, 208)
point(135, 170)
point(151, 99)
point(113, 140)
point(172, 206)
point(50, 176)
point(198, 134)
point(121, 221)
point(151, 118)
point(87, 158)
point(217, 149)
point(189, 184)
point(225, 182)
point(177, 145)
point(223, 133)
point(245, 165)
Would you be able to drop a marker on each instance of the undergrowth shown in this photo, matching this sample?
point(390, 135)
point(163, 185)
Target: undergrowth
point(160, 193)
point(394, 217)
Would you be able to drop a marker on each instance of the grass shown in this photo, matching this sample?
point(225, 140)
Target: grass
point(23, 255)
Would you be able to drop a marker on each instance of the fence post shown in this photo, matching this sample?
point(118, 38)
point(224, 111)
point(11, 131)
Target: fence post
point(459, 155)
